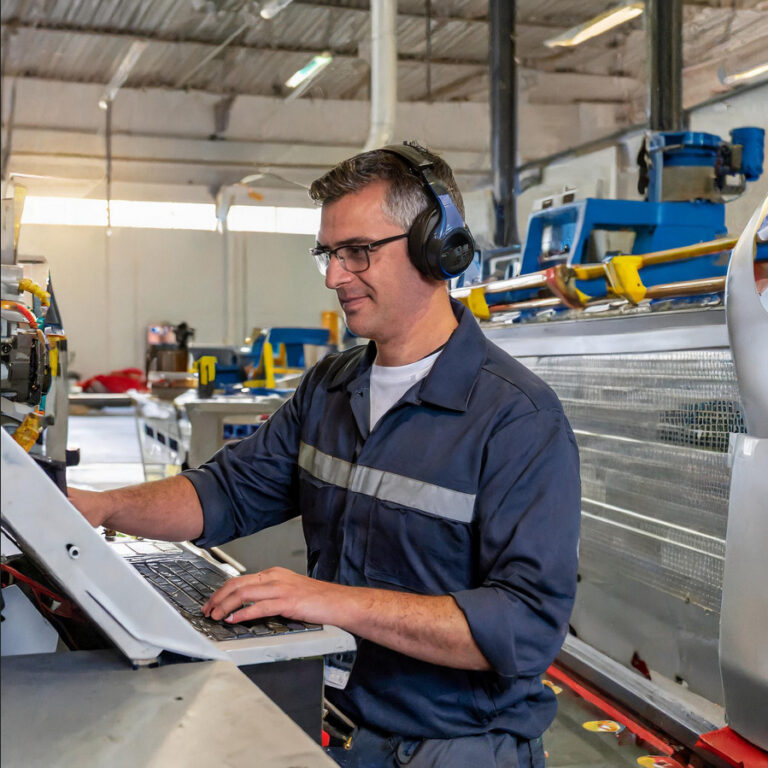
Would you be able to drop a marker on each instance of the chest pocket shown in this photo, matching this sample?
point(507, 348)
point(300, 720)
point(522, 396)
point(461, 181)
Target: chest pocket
point(417, 552)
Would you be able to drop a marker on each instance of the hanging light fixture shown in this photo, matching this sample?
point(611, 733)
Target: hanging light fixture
point(620, 14)
point(300, 80)
point(746, 74)
point(271, 8)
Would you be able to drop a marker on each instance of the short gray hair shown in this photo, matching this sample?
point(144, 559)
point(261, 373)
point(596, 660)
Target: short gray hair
point(406, 197)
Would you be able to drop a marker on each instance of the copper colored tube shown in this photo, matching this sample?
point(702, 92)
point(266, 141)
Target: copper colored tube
point(530, 304)
point(686, 288)
point(689, 251)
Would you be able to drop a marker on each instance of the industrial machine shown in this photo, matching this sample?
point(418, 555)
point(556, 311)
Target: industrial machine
point(657, 350)
point(582, 251)
point(33, 352)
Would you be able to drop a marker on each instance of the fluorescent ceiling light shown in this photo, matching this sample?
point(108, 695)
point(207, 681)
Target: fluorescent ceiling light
point(310, 70)
point(271, 8)
point(747, 74)
point(602, 23)
point(122, 72)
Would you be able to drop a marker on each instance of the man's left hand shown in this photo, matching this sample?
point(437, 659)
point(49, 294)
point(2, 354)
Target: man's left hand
point(274, 592)
point(428, 627)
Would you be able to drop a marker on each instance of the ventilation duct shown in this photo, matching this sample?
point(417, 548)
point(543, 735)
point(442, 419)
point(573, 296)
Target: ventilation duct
point(383, 73)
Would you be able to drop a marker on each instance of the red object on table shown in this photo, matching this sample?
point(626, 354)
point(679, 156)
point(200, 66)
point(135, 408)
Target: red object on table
point(116, 382)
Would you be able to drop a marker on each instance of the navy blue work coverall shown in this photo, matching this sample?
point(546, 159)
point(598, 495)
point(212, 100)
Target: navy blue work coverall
point(468, 486)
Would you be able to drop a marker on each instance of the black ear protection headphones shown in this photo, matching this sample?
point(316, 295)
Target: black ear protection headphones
point(439, 242)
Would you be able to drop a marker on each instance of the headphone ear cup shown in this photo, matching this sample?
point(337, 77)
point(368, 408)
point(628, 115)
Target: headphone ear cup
point(419, 242)
point(457, 249)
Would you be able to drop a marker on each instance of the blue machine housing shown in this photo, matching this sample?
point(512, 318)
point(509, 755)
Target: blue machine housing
point(657, 227)
point(562, 235)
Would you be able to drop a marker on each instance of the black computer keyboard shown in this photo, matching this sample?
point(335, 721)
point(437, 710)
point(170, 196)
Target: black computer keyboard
point(188, 582)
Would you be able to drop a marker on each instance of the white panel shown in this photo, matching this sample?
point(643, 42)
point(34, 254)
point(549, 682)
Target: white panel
point(283, 284)
point(77, 257)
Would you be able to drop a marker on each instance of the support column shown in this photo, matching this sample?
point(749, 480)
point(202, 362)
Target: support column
point(664, 33)
point(501, 24)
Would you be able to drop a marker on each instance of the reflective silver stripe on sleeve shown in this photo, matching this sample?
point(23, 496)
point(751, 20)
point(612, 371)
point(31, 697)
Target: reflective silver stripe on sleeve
point(324, 467)
point(388, 486)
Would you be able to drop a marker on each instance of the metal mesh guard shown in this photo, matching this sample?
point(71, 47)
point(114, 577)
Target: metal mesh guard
point(653, 432)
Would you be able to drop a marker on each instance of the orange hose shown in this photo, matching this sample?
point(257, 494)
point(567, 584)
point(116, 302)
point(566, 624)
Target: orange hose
point(15, 306)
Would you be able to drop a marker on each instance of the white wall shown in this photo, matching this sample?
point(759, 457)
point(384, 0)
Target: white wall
point(110, 289)
point(273, 282)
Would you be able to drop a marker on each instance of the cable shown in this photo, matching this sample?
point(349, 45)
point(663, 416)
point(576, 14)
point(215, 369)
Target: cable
point(66, 608)
point(16, 306)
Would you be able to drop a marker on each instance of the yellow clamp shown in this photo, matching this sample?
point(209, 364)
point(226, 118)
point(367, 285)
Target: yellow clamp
point(624, 277)
point(205, 367)
point(25, 284)
point(477, 304)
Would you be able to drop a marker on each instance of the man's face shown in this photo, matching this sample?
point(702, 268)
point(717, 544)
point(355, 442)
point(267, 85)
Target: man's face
point(384, 302)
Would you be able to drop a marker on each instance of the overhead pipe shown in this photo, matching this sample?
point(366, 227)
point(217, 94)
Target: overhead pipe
point(383, 73)
point(664, 34)
point(504, 120)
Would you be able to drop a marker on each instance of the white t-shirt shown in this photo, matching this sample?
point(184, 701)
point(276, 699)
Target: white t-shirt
point(390, 382)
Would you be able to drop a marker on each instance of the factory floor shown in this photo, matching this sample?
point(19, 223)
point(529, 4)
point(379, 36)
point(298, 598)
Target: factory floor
point(110, 457)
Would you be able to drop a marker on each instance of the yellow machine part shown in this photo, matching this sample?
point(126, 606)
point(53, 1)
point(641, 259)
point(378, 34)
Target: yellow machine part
point(266, 369)
point(624, 277)
point(36, 290)
point(28, 431)
point(205, 367)
point(477, 304)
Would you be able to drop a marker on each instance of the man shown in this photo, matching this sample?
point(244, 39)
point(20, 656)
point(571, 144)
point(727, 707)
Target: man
point(437, 480)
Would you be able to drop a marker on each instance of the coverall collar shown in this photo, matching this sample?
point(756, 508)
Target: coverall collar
point(450, 382)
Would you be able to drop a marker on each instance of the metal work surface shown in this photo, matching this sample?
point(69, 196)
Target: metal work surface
point(642, 331)
point(109, 449)
point(201, 714)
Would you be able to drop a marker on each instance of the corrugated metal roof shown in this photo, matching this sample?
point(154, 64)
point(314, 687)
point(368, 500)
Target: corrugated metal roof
point(85, 40)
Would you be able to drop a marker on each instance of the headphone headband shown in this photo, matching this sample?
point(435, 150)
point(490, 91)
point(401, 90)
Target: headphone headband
point(439, 242)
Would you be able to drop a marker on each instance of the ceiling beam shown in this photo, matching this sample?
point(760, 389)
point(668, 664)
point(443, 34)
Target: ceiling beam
point(364, 8)
point(457, 86)
point(347, 52)
point(564, 20)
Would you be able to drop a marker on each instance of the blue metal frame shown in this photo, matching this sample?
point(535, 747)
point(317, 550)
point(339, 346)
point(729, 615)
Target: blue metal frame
point(657, 227)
